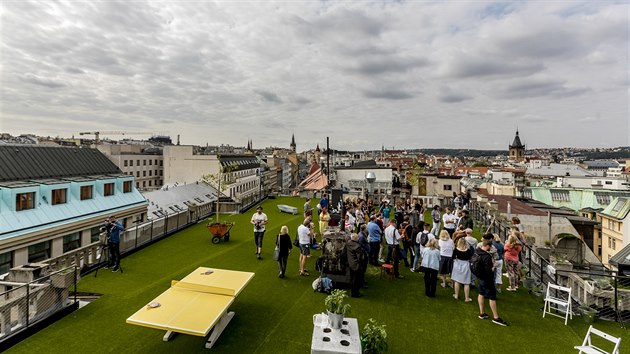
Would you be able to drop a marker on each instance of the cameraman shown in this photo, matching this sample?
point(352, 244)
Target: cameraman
point(113, 242)
point(259, 220)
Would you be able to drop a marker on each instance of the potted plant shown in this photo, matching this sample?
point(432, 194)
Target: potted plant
point(336, 307)
point(560, 262)
point(374, 338)
point(588, 314)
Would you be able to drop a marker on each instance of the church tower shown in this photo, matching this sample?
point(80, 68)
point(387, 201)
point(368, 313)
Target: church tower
point(293, 142)
point(318, 154)
point(517, 149)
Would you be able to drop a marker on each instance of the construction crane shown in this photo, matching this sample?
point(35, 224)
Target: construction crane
point(98, 134)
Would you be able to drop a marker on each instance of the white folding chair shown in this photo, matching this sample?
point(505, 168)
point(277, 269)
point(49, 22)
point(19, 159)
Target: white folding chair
point(560, 301)
point(588, 347)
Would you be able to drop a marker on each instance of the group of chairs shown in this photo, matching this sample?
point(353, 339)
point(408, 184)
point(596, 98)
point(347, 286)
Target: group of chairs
point(558, 303)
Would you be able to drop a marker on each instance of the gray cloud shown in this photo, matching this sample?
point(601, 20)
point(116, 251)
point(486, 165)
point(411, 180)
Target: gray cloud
point(388, 94)
point(256, 70)
point(42, 81)
point(268, 96)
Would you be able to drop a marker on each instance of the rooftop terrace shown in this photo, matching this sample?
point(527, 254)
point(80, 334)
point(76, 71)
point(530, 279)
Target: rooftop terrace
point(275, 315)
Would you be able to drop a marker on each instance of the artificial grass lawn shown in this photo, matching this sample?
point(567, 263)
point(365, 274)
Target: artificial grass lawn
point(275, 315)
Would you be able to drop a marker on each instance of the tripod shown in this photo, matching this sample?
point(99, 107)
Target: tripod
point(104, 247)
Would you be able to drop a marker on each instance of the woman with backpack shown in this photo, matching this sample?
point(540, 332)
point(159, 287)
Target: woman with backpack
point(511, 250)
point(461, 269)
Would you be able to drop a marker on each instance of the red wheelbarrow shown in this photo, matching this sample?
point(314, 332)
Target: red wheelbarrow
point(220, 230)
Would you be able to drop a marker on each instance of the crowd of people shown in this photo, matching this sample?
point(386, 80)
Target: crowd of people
point(394, 233)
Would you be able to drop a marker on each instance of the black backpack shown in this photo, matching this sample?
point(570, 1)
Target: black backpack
point(424, 238)
point(476, 265)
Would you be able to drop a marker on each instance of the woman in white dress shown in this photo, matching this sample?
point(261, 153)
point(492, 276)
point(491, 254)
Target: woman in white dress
point(461, 269)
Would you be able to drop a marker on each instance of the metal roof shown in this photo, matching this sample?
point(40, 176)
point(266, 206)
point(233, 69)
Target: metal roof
point(28, 162)
point(622, 257)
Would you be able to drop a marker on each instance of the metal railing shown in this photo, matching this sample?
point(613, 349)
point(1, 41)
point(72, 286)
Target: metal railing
point(25, 304)
point(598, 288)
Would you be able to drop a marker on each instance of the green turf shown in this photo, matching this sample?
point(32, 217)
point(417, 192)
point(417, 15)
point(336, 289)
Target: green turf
point(275, 315)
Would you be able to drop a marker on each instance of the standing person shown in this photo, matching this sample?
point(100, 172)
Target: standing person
point(324, 202)
point(422, 239)
point(308, 209)
point(449, 221)
point(259, 220)
point(374, 238)
point(351, 219)
point(382, 225)
point(466, 221)
point(430, 265)
point(284, 245)
point(512, 249)
point(324, 218)
point(386, 211)
point(360, 217)
point(392, 237)
point(356, 258)
point(436, 217)
point(113, 242)
point(414, 213)
point(487, 289)
point(516, 222)
point(461, 269)
point(304, 237)
point(365, 246)
point(498, 269)
point(406, 232)
point(446, 255)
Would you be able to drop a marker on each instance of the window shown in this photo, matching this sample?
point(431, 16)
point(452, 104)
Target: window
point(150, 172)
point(155, 162)
point(609, 242)
point(150, 162)
point(448, 187)
point(71, 242)
point(24, 201)
point(126, 163)
point(161, 172)
point(137, 184)
point(126, 186)
point(144, 173)
point(39, 252)
point(144, 184)
point(602, 198)
point(144, 162)
point(149, 183)
point(608, 182)
point(6, 262)
point(138, 174)
point(59, 196)
point(130, 162)
point(559, 195)
point(614, 243)
point(610, 226)
point(94, 232)
point(137, 162)
point(161, 162)
point(108, 189)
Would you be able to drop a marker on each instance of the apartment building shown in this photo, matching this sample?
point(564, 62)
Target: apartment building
point(54, 200)
point(144, 162)
point(615, 232)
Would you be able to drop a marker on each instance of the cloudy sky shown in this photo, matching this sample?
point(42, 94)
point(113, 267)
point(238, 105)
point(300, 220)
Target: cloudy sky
point(417, 74)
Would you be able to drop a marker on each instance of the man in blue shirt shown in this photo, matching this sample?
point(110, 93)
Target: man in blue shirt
point(374, 237)
point(113, 242)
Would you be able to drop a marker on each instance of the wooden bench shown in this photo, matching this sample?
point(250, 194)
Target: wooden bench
point(588, 347)
point(558, 303)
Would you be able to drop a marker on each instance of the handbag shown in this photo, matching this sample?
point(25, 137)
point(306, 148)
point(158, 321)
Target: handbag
point(296, 241)
point(276, 251)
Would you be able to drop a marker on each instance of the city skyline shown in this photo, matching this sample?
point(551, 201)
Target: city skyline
point(367, 74)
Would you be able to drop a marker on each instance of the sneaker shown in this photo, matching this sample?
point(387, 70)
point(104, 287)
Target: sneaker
point(511, 289)
point(258, 256)
point(412, 270)
point(483, 316)
point(115, 270)
point(500, 322)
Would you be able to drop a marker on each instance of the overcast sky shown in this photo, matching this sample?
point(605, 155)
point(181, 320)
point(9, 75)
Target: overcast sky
point(415, 74)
